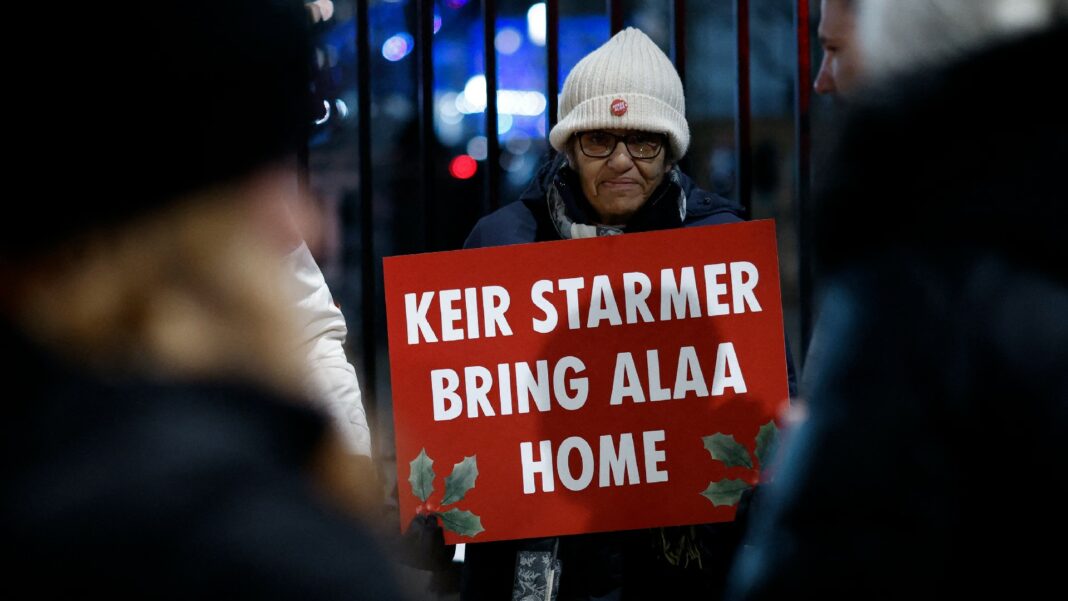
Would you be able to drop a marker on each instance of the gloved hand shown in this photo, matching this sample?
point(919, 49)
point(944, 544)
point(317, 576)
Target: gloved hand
point(423, 544)
point(746, 504)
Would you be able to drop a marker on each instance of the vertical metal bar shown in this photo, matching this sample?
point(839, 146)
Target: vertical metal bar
point(615, 15)
point(743, 113)
point(368, 264)
point(425, 44)
point(803, 149)
point(493, 150)
point(552, 49)
point(304, 152)
point(678, 41)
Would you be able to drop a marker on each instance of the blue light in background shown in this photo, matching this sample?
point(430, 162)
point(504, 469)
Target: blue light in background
point(477, 148)
point(504, 123)
point(398, 47)
point(508, 40)
point(528, 103)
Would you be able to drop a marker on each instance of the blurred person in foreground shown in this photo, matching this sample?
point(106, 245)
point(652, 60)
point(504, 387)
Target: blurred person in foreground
point(621, 133)
point(157, 442)
point(932, 460)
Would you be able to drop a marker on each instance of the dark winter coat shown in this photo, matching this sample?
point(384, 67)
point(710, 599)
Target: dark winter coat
point(147, 489)
point(933, 460)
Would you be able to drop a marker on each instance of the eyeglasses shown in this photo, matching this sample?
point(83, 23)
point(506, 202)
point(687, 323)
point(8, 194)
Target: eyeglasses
point(640, 145)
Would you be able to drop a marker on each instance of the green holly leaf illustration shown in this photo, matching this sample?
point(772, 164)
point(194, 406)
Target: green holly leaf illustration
point(461, 522)
point(767, 441)
point(422, 476)
point(725, 492)
point(461, 480)
point(724, 448)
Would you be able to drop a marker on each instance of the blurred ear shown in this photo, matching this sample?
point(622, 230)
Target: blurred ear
point(282, 213)
point(669, 157)
point(569, 152)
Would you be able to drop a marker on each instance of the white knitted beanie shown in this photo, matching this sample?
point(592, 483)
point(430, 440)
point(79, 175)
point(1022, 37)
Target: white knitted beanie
point(628, 83)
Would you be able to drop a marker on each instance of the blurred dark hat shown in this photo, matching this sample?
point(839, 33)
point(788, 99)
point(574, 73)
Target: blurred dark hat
point(120, 108)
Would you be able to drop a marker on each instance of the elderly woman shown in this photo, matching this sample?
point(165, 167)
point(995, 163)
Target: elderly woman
point(622, 130)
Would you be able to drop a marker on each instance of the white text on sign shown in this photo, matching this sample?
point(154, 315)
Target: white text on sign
point(615, 464)
point(518, 386)
point(471, 313)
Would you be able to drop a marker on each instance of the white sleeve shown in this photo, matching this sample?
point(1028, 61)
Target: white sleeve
point(331, 378)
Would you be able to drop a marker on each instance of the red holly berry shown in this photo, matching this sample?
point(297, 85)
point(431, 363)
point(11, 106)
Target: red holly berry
point(427, 508)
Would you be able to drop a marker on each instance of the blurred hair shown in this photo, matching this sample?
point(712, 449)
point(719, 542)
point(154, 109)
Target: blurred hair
point(188, 292)
point(140, 127)
point(905, 35)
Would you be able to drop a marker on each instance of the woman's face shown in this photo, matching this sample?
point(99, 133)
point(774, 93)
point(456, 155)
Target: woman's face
point(618, 184)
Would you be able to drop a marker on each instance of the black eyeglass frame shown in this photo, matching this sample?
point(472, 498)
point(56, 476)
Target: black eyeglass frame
point(617, 139)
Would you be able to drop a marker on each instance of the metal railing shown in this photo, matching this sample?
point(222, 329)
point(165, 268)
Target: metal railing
point(614, 9)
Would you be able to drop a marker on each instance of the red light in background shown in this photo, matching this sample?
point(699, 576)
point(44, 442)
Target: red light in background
point(463, 167)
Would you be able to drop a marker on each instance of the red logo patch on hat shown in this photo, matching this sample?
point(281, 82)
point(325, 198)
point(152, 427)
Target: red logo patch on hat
point(619, 107)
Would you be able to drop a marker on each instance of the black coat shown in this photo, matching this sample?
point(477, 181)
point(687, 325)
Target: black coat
point(933, 459)
point(147, 489)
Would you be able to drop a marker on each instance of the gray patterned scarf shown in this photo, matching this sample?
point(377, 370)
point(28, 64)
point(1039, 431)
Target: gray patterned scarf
point(568, 229)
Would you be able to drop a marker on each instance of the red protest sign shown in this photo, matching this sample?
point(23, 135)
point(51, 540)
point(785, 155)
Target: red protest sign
point(586, 385)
